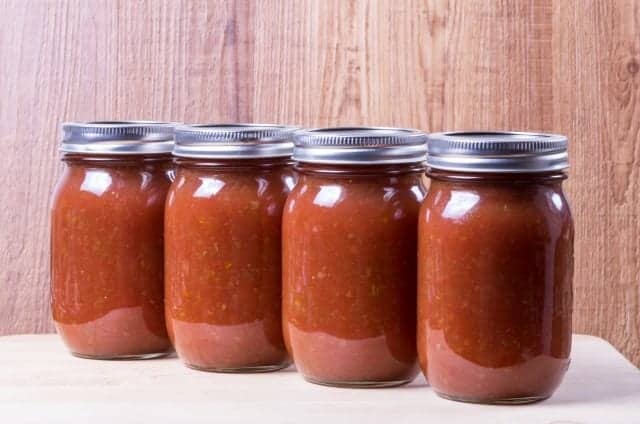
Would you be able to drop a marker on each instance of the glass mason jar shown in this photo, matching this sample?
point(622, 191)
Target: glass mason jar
point(349, 255)
point(223, 246)
point(107, 239)
point(495, 267)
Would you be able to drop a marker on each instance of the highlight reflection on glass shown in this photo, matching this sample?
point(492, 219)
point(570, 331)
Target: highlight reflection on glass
point(460, 203)
point(96, 182)
point(208, 187)
point(556, 199)
point(328, 196)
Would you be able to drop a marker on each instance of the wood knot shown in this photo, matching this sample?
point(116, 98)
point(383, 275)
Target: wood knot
point(633, 67)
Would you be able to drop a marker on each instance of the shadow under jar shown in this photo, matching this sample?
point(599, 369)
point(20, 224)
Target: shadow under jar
point(495, 267)
point(223, 246)
point(349, 256)
point(107, 239)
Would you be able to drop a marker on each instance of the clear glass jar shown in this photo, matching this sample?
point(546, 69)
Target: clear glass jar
point(107, 239)
point(495, 267)
point(223, 246)
point(349, 230)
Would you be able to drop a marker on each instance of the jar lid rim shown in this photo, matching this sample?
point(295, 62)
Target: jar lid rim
point(233, 141)
point(117, 137)
point(497, 151)
point(360, 145)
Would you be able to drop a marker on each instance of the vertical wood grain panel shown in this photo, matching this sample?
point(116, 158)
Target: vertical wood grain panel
point(342, 63)
point(596, 87)
point(99, 60)
point(498, 65)
point(565, 66)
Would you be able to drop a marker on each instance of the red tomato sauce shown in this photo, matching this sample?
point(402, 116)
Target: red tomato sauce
point(107, 256)
point(223, 263)
point(349, 255)
point(495, 285)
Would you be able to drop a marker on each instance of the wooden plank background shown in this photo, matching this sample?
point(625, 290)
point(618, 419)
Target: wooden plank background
point(552, 65)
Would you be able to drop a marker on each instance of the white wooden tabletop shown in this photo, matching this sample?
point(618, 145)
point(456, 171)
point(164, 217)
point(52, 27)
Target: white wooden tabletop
point(41, 383)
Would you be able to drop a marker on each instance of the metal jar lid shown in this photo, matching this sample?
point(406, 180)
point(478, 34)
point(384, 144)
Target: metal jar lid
point(117, 137)
point(497, 152)
point(233, 141)
point(360, 145)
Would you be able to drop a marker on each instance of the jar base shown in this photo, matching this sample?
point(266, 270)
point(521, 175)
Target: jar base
point(240, 370)
point(140, 356)
point(358, 384)
point(506, 401)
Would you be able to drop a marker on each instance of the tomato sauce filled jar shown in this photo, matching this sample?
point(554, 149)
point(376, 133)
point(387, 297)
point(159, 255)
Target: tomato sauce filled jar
point(107, 239)
point(495, 267)
point(223, 246)
point(349, 255)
